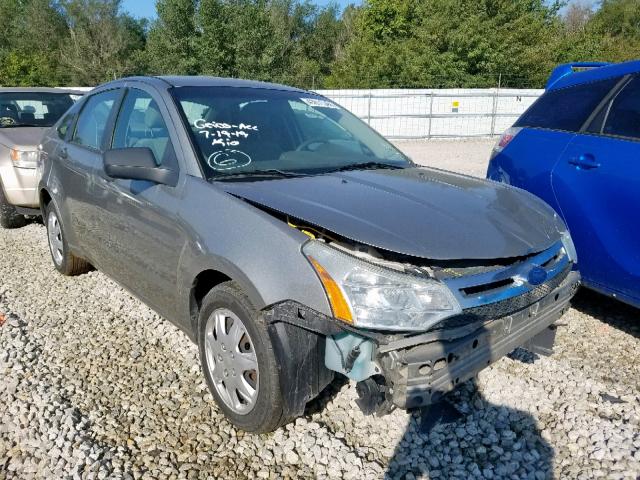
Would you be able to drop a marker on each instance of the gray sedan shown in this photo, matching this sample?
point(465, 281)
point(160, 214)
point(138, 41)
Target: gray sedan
point(292, 242)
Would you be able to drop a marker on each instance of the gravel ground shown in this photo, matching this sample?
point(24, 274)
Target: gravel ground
point(95, 385)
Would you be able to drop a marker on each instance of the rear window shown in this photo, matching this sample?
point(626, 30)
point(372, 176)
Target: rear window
point(567, 108)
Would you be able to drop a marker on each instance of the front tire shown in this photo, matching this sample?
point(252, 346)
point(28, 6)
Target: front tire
point(9, 216)
point(64, 261)
point(238, 361)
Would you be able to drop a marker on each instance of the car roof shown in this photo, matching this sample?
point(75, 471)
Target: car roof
point(41, 90)
point(597, 73)
point(203, 81)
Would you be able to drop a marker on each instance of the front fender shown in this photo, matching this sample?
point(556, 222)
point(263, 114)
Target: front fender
point(258, 251)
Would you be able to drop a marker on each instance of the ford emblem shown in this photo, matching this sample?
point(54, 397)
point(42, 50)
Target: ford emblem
point(537, 275)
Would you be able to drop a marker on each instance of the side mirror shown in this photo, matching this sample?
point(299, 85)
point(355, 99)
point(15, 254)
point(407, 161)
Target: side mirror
point(137, 163)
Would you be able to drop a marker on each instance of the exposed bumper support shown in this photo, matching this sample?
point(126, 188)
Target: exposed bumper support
point(421, 375)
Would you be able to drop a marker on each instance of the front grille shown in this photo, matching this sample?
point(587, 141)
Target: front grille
point(506, 307)
point(500, 290)
point(503, 308)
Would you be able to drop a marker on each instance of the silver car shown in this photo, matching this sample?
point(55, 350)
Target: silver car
point(292, 243)
point(25, 113)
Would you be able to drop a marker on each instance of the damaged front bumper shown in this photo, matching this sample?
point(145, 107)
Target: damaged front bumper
point(403, 371)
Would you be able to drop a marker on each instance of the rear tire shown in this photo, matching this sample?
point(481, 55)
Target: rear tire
point(64, 261)
point(9, 217)
point(226, 375)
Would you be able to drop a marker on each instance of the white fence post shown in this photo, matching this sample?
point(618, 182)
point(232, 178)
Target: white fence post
point(494, 110)
point(430, 114)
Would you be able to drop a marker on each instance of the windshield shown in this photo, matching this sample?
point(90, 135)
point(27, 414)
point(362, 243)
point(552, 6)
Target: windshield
point(243, 130)
point(33, 109)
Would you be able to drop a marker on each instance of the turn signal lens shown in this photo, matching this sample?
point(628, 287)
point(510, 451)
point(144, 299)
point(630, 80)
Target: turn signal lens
point(338, 303)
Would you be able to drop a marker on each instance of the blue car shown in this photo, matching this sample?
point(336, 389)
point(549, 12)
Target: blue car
point(578, 148)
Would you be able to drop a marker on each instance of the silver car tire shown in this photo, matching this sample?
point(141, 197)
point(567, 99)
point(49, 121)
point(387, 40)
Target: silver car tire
point(238, 361)
point(9, 216)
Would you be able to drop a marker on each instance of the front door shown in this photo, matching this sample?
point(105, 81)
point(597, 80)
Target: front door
point(144, 235)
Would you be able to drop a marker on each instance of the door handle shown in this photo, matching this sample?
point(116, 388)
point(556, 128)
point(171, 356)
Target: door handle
point(62, 153)
point(586, 161)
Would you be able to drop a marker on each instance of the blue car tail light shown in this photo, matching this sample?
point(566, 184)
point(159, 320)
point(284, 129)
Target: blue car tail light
point(505, 139)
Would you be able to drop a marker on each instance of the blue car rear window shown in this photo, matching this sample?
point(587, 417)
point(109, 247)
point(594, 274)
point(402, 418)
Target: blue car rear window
point(567, 108)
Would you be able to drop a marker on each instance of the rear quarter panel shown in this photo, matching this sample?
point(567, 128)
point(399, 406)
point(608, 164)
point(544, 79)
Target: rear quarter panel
point(50, 181)
point(527, 162)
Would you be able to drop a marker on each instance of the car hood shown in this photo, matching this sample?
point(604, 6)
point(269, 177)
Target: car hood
point(26, 138)
point(422, 212)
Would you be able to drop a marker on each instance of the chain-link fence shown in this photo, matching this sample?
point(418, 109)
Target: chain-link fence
point(436, 113)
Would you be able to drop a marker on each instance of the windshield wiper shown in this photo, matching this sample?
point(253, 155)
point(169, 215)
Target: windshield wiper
point(267, 172)
point(367, 166)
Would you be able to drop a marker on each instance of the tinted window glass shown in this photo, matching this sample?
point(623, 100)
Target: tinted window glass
point(241, 130)
point(140, 124)
point(624, 115)
point(567, 108)
point(63, 128)
point(93, 119)
point(32, 108)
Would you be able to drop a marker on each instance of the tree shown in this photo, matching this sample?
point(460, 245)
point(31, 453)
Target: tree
point(617, 25)
point(448, 43)
point(173, 39)
point(30, 46)
point(103, 44)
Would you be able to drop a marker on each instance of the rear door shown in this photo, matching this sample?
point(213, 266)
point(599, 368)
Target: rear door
point(79, 161)
point(597, 185)
point(547, 128)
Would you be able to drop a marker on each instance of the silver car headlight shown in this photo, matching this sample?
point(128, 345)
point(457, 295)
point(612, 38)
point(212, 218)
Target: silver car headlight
point(371, 296)
point(24, 158)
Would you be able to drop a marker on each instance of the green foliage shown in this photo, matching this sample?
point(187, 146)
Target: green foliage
point(382, 43)
point(171, 40)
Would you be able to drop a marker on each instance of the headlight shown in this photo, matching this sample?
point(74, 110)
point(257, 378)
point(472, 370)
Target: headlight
point(24, 158)
point(569, 247)
point(371, 296)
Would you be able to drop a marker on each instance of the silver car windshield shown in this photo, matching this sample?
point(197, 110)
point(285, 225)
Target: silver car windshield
point(243, 131)
point(32, 109)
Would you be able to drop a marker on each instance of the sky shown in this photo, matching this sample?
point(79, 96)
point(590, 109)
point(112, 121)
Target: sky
point(147, 8)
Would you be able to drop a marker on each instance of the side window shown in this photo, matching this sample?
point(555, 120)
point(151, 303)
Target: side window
point(65, 124)
point(567, 108)
point(93, 119)
point(624, 113)
point(140, 124)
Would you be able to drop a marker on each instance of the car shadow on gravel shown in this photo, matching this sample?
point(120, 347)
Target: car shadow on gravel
point(470, 437)
point(608, 310)
point(485, 441)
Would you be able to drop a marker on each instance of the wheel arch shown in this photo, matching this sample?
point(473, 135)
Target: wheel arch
point(207, 279)
point(44, 198)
